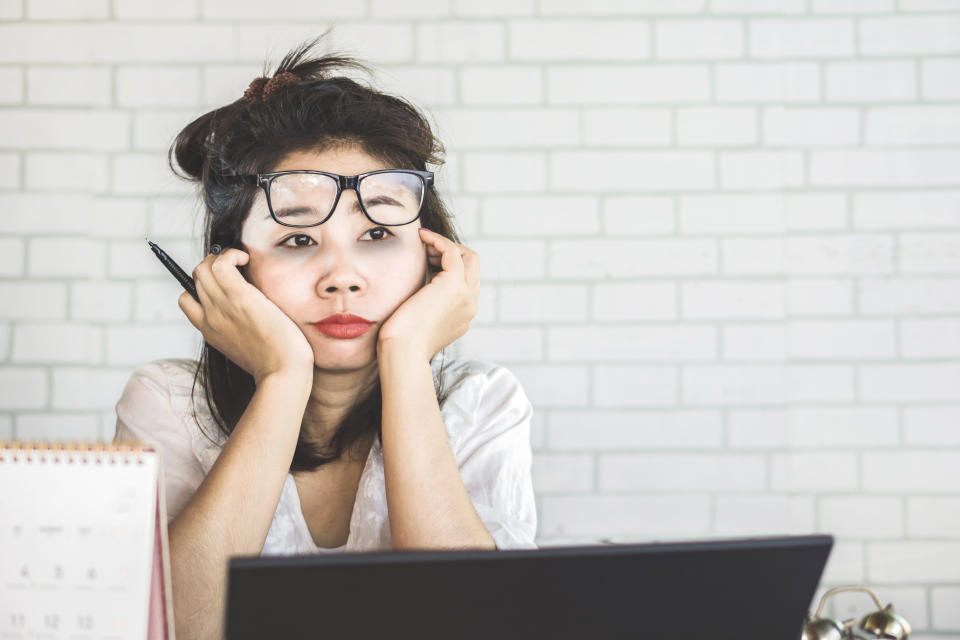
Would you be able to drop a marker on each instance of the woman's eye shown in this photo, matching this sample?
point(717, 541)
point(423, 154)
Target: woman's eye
point(300, 240)
point(378, 233)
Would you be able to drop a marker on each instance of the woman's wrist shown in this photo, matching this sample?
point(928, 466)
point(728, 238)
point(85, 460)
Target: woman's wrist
point(404, 352)
point(293, 379)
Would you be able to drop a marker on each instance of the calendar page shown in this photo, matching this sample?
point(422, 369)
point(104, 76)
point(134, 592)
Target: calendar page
point(78, 541)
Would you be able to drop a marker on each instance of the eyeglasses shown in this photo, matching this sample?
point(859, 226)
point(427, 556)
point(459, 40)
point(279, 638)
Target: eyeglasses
point(302, 198)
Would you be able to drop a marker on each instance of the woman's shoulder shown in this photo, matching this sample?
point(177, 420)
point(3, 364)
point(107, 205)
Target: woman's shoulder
point(162, 394)
point(481, 397)
point(167, 378)
point(474, 374)
point(172, 370)
point(178, 376)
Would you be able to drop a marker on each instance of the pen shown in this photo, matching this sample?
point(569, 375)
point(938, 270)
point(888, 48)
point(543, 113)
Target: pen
point(175, 269)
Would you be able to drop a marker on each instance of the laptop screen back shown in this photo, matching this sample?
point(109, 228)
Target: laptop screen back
point(747, 588)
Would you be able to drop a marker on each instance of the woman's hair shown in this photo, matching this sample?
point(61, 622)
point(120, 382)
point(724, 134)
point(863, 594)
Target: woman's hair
point(312, 110)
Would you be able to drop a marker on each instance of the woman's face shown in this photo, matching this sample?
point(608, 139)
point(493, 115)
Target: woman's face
point(348, 264)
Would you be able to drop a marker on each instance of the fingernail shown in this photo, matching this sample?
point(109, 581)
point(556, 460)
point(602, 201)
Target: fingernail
point(216, 249)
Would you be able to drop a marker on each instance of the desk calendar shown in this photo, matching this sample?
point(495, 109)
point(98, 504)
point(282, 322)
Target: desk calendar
point(83, 548)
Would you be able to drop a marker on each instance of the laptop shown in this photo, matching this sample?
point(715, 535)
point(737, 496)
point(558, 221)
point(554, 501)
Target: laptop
point(739, 588)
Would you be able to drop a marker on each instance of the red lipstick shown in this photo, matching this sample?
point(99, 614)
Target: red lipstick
point(343, 325)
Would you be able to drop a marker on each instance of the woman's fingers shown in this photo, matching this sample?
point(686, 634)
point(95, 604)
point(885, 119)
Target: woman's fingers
point(225, 268)
point(206, 283)
point(471, 269)
point(454, 257)
point(450, 258)
point(191, 308)
point(217, 274)
point(206, 300)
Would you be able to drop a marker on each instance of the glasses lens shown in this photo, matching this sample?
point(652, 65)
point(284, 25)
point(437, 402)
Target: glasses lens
point(391, 197)
point(302, 199)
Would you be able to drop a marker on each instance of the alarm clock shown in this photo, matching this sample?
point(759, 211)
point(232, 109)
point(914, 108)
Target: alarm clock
point(882, 623)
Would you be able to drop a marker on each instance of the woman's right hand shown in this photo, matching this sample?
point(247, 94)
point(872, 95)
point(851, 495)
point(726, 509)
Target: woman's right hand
point(240, 322)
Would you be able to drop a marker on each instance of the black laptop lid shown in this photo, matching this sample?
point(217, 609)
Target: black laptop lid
point(746, 588)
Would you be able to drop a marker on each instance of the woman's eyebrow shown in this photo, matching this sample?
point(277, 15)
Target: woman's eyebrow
point(293, 211)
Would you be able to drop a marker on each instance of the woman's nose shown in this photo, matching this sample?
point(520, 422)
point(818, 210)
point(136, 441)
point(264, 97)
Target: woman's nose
point(342, 271)
point(339, 272)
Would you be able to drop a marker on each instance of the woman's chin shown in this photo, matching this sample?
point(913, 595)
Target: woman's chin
point(345, 357)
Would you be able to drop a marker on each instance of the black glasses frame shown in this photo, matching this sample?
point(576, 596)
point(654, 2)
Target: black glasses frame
point(264, 181)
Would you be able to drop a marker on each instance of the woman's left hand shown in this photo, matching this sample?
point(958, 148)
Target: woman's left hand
point(441, 311)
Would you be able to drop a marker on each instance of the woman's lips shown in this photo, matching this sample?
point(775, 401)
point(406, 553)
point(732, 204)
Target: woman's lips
point(350, 330)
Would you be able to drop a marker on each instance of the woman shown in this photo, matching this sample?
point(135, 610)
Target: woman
point(321, 416)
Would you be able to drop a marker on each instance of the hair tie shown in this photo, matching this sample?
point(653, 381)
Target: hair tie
point(261, 89)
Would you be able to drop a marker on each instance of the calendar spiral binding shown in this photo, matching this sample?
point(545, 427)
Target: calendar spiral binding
point(84, 452)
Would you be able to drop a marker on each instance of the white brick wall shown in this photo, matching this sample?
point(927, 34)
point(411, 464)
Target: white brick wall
point(720, 244)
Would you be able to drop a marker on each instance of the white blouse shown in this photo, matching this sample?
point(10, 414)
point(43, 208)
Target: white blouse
point(486, 415)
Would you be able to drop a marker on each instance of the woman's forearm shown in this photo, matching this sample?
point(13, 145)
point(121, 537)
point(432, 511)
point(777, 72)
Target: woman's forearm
point(231, 511)
point(428, 505)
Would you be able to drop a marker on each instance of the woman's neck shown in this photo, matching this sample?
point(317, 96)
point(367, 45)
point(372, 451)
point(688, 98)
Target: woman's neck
point(334, 394)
